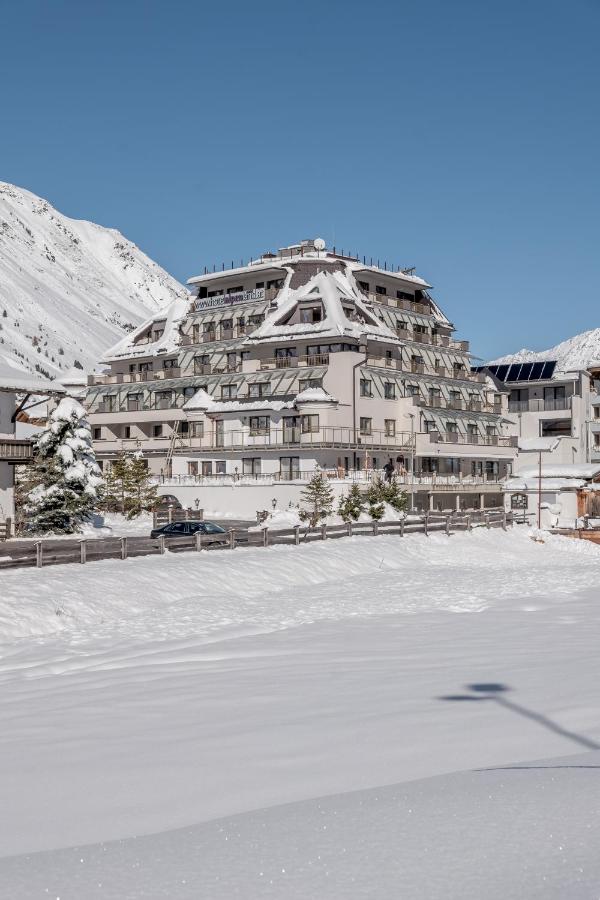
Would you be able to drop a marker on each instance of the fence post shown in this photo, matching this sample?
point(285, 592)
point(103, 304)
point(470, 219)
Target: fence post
point(123, 548)
point(402, 527)
point(323, 532)
point(447, 524)
point(486, 519)
point(426, 524)
point(511, 518)
point(39, 554)
point(504, 521)
point(232, 538)
point(265, 537)
point(82, 551)
point(469, 526)
point(349, 528)
point(198, 537)
point(296, 534)
point(161, 543)
point(8, 527)
point(375, 526)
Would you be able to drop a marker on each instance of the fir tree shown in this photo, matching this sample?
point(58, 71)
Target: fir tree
point(64, 482)
point(318, 499)
point(351, 506)
point(381, 493)
point(128, 488)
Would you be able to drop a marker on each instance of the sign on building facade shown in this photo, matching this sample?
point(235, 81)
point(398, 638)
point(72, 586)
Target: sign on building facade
point(230, 299)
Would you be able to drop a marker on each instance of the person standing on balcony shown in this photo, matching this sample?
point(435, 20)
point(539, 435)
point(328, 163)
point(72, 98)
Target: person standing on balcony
point(389, 470)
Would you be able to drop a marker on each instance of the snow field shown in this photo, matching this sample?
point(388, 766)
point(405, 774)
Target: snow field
point(174, 691)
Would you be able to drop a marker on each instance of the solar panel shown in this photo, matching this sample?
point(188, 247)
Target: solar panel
point(500, 372)
point(549, 368)
point(536, 371)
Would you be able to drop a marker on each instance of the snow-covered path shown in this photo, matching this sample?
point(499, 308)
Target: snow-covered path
point(172, 691)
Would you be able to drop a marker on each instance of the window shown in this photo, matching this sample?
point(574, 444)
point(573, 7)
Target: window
point(132, 367)
point(145, 367)
point(201, 364)
point(157, 334)
point(379, 289)
point(227, 325)
point(196, 333)
point(289, 467)
point(477, 468)
point(311, 314)
point(310, 424)
point(435, 396)
point(251, 466)
point(365, 388)
point(364, 286)
point(97, 434)
point(429, 426)
point(184, 427)
point(207, 467)
point(389, 390)
point(192, 468)
point(259, 389)
point(239, 289)
point(256, 319)
point(169, 363)
point(220, 467)
point(126, 431)
point(259, 284)
point(597, 412)
point(402, 295)
point(420, 329)
point(135, 402)
point(305, 383)
point(472, 432)
point(110, 403)
point(197, 429)
point(259, 425)
point(275, 283)
point(208, 327)
point(188, 392)
point(157, 431)
point(390, 427)
point(412, 390)
point(163, 399)
point(244, 355)
point(229, 391)
point(365, 425)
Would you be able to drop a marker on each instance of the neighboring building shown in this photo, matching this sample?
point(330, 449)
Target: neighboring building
point(594, 416)
point(564, 496)
point(551, 409)
point(302, 358)
point(15, 388)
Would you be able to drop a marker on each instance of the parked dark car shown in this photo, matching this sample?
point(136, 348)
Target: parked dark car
point(168, 500)
point(185, 529)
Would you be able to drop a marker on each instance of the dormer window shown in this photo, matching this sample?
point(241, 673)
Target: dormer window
point(311, 314)
point(157, 334)
point(381, 290)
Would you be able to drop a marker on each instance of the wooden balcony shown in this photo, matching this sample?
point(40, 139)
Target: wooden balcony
point(484, 440)
point(16, 450)
point(292, 362)
point(135, 377)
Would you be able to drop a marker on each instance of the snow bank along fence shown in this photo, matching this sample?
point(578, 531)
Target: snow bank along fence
point(50, 552)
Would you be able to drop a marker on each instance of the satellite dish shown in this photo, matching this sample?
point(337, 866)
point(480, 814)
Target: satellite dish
point(319, 244)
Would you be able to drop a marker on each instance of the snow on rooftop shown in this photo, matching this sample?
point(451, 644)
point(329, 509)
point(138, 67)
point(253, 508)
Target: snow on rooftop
point(566, 470)
point(168, 342)
point(201, 400)
point(546, 444)
point(576, 353)
point(314, 395)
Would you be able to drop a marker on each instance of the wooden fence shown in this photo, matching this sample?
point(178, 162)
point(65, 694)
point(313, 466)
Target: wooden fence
point(167, 514)
point(52, 551)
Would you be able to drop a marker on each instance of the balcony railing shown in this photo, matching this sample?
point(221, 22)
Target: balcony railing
point(15, 449)
point(421, 309)
point(439, 402)
point(135, 377)
point(291, 362)
point(540, 405)
point(486, 440)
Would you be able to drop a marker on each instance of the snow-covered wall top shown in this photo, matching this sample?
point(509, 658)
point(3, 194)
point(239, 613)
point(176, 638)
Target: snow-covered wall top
point(575, 353)
point(69, 289)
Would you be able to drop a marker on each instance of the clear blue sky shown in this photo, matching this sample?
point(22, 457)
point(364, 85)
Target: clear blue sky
point(459, 137)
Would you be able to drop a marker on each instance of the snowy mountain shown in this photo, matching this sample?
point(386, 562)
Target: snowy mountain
point(575, 353)
point(69, 289)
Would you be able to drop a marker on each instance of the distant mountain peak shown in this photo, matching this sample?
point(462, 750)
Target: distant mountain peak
point(69, 289)
point(578, 352)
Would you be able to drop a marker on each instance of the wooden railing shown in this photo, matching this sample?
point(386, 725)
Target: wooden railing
point(19, 554)
point(15, 449)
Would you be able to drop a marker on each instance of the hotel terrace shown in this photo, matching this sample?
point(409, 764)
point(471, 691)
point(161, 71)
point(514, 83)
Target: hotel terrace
point(302, 358)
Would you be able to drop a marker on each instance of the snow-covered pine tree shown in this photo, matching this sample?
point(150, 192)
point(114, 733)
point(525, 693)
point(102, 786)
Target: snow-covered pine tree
point(64, 483)
point(318, 499)
point(352, 505)
point(380, 493)
point(115, 492)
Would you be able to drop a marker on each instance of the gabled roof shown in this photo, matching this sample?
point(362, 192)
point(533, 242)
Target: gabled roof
point(167, 343)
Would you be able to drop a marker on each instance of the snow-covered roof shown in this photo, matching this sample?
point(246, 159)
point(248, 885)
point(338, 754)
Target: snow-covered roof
point(167, 343)
point(331, 289)
point(14, 378)
point(566, 470)
point(314, 395)
point(544, 444)
point(201, 400)
point(548, 484)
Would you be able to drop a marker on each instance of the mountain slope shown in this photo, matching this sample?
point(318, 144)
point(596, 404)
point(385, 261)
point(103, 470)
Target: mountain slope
point(575, 353)
point(69, 289)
